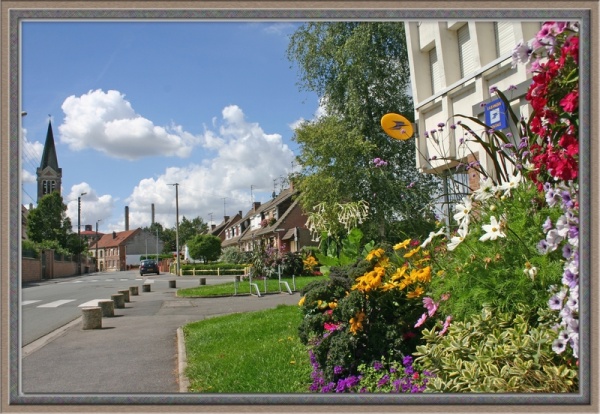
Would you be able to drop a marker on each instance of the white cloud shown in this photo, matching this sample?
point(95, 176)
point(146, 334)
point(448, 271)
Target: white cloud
point(93, 206)
point(31, 156)
point(106, 122)
point(246, 156)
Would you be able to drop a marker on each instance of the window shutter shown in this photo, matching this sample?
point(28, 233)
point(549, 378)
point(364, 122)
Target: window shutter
point(466, 51)
point(434, 65)
point(505, 37)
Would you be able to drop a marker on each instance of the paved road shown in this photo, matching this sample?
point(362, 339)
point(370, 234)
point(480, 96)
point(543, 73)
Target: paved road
point(135, 351)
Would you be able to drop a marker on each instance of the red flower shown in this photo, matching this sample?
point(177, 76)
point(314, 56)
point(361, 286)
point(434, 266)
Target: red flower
point(570, 102)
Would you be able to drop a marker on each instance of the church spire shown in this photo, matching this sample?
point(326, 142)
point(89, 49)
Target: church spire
point(49, 155)
point(49, 175)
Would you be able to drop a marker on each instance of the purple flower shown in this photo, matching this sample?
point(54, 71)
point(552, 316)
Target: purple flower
point(567, 251)
point(547, 226)
point(337, 370)
point(384, 380)
point(493, 89)
point(407, 360)
point(377, 365)
point(555, 302)
point(570, 279)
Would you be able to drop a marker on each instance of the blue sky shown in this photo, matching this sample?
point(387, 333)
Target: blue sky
point(136, 106)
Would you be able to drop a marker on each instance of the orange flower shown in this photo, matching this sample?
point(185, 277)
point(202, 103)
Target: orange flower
point(402, 245)
point(415, 293)
point(377, 253)
point(412, 252)
point(356, 322)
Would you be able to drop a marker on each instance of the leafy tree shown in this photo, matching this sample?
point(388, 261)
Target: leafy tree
point(204, 246)
point(360, 70)
point(48, 222)
point(191, 228)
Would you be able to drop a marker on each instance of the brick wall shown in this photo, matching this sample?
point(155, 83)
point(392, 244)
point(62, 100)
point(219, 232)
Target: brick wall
point(31, 270)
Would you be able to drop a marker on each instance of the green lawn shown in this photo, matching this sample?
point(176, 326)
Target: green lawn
point(243, 288)
point(252, 352)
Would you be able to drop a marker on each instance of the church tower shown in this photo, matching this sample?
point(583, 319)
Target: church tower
point(49, 175)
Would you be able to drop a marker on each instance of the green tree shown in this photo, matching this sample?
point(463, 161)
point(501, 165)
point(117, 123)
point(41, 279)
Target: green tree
point(191, 228)
point(204, 246)
point(48, 222)
point(360, 70)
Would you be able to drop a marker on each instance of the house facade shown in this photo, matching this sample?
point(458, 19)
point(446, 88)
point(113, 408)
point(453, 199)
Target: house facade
point(118, 251)
point(454, 67)
point(279, 223)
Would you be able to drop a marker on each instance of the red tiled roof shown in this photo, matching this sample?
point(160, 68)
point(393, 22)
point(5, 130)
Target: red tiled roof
point(120, 238)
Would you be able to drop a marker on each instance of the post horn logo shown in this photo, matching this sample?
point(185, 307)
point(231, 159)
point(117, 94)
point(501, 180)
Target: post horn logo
point(397, 126)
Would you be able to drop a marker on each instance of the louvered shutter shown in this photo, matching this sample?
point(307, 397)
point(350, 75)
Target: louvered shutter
point(434, 65)
point(505, 37)
point(466, 51)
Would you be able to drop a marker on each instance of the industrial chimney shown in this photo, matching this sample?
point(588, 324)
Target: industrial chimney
point(152, 213)
point(126, 218)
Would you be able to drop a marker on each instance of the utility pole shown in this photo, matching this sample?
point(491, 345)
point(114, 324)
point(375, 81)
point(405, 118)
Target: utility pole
point(177, 225)
point(79, 232)
point(97, 258)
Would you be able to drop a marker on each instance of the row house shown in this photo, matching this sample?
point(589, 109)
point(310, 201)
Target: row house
point(221, 230)
point(117, 251)
point(279, 223)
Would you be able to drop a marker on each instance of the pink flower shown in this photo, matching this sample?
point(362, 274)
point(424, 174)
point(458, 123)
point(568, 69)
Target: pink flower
point(446, 325)
point(421, 320)
point(331, 326)
point(430, 305)
point(569, 103)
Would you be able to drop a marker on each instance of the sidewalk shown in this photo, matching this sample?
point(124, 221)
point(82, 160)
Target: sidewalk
point(137, 351)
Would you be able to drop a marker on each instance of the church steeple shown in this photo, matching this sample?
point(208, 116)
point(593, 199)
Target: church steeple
point(49, 175)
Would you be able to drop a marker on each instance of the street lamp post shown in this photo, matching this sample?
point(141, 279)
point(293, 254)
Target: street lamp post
point(97, 258)
point(79, 231)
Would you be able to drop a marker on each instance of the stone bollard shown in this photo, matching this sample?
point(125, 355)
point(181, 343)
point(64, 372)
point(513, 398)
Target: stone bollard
point(119, 300)
point(125, 294)
point(202, 281)
point(108, 307)
point(133, 290)
point(92, 318)
point(172, 283)
point(146, 287)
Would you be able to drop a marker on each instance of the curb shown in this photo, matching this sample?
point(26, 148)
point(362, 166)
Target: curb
point(46, 339)
point(184, 383)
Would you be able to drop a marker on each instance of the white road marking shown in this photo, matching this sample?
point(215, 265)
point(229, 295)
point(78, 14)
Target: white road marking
point(29, 302)
point(91, 303)
point(77, 281)
point(123, 279)
point(109, 280)
point(56, 303)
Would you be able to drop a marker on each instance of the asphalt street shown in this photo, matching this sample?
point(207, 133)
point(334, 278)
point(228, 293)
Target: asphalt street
point(136, 351)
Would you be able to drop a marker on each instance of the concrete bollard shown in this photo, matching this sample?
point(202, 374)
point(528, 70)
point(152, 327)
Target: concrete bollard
point(108, 307)
point(92, 318)
point(146, 287)
point(125, 294)
point(202, 281)
point(172, 283)
point(119, 300)
point(133, 290)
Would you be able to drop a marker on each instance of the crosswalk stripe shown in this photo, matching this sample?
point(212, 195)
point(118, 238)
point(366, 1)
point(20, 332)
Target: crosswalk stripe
point(56, 303)
point(90, 303)
point(29, 302)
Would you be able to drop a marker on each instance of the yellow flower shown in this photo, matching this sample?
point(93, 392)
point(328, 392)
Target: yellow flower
point(356, 322)
point(415, 293)
point(400, 272)
point(377, 253)
point(402, 245)
point(332, 305)
point(384, 262)
point(412, 252)
point(424, 275)
point(302, 299)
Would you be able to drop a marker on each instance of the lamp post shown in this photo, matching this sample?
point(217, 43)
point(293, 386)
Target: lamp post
point(157, 244)
point(177, 224)
point(79, 231)
point(97, 258)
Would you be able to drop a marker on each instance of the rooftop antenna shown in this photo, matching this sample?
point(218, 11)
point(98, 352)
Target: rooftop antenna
point(224, 198)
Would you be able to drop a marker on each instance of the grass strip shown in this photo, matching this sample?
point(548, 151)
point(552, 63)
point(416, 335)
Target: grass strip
point(251, 352)
point(243, 288)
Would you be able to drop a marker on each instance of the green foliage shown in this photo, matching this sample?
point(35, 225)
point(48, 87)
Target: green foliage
point(234, 255)
point(492, 272)
point(497, 352)
point(361, 70)
point(345, 253)
point(204, 246)
point(48, 222)
point(188, 229)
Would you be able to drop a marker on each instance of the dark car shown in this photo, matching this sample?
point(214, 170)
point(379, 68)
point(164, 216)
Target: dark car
point(149, 266)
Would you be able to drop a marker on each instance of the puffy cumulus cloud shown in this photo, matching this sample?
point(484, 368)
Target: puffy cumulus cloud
point(106, 122)
point(31, 156)
point(93, 206)
point(246, 157)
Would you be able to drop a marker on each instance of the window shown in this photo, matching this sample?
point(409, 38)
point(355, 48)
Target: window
point(434, 66)
point(466, 52)
point(505, 37)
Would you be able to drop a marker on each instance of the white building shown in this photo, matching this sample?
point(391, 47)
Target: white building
point(453, 65)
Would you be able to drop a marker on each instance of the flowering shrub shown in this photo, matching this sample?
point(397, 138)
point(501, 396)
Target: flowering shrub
point(491, 304)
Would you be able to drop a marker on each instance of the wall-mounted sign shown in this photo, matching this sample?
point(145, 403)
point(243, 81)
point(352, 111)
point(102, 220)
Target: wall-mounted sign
point(397, 126)
point(495, 114)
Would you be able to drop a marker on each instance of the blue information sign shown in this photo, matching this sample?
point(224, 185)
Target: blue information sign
point(495, 114)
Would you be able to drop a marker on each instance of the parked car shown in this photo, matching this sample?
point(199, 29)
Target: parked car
point(149, 266)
